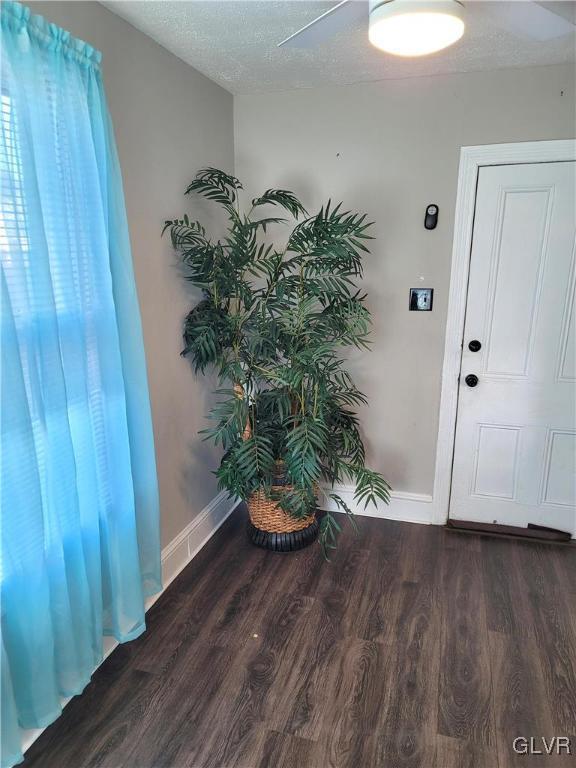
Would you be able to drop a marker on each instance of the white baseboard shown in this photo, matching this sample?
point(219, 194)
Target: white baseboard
point(407, 507)
point(175, 557)
point(181, 550)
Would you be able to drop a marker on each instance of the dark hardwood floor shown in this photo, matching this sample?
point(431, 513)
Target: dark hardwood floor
point(415, 646)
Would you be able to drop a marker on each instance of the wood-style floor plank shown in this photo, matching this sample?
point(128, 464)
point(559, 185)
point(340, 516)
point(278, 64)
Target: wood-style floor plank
point(547, 617)
point(497, 585)
point(465, 710)
point(519, 708)
point(282, 751)
point(376, 602)
point(239, 709)
point(415, 647)
point(460, 753)
point(409, 722)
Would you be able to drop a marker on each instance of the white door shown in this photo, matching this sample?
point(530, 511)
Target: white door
point(515, 448)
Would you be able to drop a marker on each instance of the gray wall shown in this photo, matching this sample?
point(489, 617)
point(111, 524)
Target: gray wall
point(387, 148)
point(390, 149)
point(169, 121)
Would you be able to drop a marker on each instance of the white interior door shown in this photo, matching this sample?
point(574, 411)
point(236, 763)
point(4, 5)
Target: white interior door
point(515, 446)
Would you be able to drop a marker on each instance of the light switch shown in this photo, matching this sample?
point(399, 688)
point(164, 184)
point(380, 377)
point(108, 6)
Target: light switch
point(421, 299)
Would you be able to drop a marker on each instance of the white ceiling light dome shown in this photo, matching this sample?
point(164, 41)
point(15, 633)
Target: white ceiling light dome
point(415, 27)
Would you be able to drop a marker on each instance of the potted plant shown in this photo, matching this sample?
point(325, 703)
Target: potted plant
point(273, 323)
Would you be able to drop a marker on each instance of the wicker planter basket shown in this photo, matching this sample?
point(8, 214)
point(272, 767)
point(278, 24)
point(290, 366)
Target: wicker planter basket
point(272, 528)
point(267, 515)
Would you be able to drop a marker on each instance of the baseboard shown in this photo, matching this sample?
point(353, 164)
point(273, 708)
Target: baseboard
point(175, 557)
point(406, 507)
point(182, 549)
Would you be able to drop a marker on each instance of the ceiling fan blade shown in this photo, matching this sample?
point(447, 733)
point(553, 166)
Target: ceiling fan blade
point(530, 19)
point(346, 14)
point(564, 8)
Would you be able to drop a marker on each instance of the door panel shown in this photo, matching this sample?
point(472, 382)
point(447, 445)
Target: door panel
point(522, 222)
point(514, 453)
point(567, 350)
point(558, 475)
point(496, 461)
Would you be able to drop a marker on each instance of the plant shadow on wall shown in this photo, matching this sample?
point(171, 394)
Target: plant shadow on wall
point(272, 324)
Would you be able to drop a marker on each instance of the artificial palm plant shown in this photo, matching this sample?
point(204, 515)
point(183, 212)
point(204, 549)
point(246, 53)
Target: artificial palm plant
point(273, 323)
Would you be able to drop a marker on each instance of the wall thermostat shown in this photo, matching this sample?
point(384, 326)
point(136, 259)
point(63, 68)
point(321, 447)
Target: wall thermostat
point(421, 299)
point(431, 218)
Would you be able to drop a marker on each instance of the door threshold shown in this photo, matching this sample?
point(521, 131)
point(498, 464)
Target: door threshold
point(537, 534)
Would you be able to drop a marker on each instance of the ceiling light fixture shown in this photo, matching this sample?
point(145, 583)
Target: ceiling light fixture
point(415, 27)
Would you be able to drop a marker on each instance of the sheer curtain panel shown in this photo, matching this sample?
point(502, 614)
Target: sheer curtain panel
point(79, 502)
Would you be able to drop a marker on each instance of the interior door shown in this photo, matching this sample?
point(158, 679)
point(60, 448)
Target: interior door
point(515, 446)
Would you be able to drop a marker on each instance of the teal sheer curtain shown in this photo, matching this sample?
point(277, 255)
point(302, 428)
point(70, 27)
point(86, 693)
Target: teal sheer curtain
point(79, 502)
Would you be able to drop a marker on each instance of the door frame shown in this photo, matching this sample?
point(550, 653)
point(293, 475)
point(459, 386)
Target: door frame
point(471, 160)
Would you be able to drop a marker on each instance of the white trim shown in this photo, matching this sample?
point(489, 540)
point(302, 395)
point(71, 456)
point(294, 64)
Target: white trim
point(175, 557)
point(471, 160)
point(407, 507)
point(181, 550)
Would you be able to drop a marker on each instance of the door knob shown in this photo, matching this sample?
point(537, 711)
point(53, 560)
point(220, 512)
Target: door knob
point(471, 379)
point(474, 346)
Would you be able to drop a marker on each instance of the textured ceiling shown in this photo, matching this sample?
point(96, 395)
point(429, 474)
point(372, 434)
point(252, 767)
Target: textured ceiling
point(234, 43)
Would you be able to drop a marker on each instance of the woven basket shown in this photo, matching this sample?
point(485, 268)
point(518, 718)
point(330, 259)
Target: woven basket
point(266, 515)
